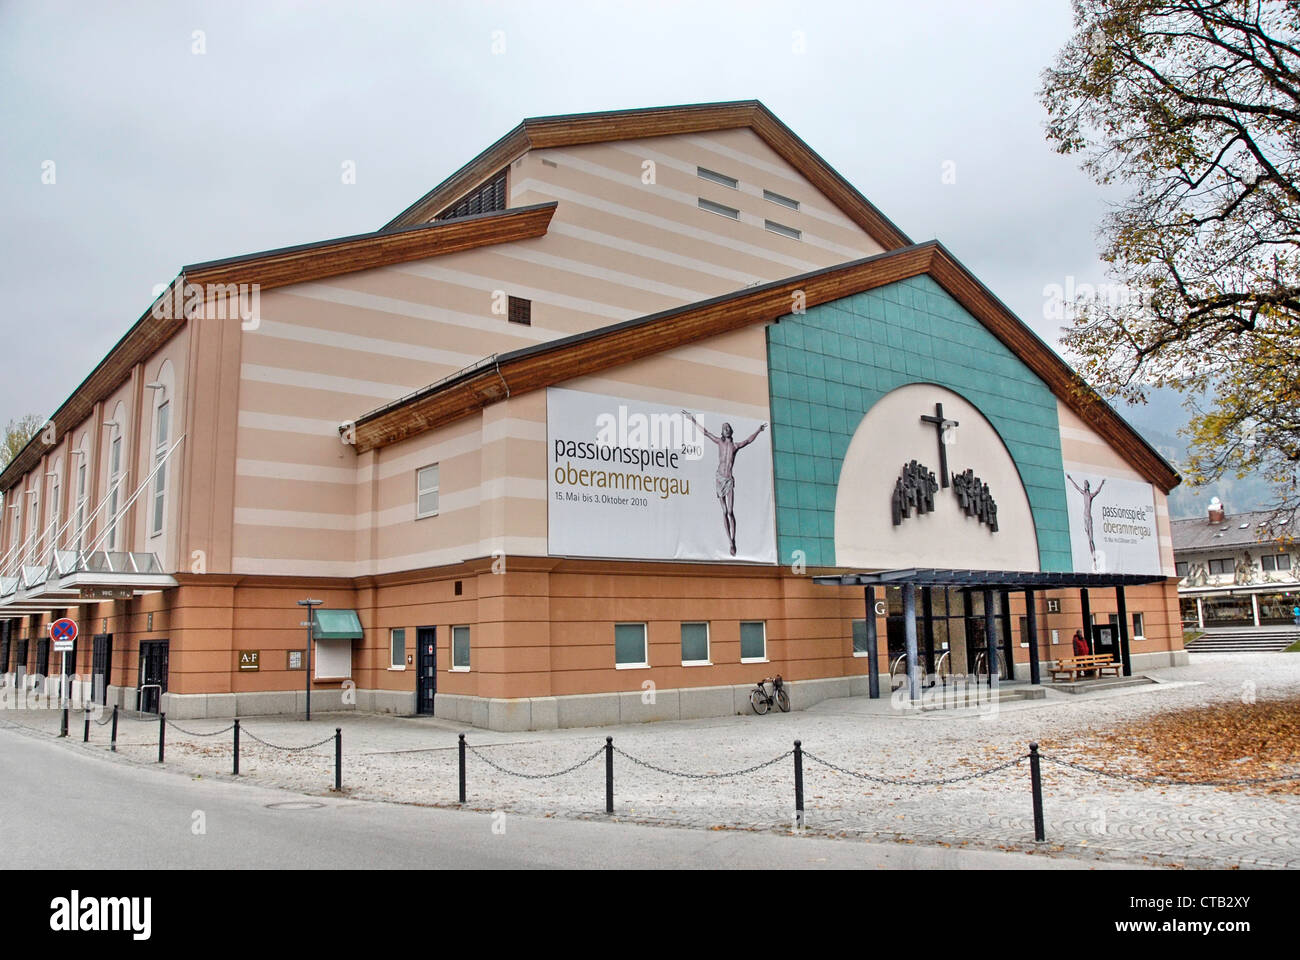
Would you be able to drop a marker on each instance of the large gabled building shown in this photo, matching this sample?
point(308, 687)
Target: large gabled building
point(583, 421)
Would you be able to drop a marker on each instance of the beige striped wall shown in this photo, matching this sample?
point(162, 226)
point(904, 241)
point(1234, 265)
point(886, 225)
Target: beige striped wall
point(617, 248)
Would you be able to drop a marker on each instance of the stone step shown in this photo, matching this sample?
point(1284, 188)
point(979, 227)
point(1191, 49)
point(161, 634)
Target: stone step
point(1104, 683)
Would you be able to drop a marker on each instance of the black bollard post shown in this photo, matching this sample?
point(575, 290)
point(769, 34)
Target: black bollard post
point(162, 735)
point(1036, 781)
point(85, 736)
point(236, 746)
point(609, 774)
point(798, 784)
point(63, 727)
point(338, 759)
point(113, 744)
point(461, 750)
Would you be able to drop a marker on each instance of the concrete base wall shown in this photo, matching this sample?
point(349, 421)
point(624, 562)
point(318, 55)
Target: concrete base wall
point(607, 709)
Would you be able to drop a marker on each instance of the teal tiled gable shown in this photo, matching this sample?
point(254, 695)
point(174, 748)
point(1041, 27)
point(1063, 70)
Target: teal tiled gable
point(828, 367)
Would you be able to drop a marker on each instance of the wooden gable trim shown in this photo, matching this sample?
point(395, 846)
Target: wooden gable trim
point(607, 127)
point(546, 364)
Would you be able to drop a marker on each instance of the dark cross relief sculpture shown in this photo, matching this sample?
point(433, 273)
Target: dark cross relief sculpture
point(914, 490)
point(974, 498)
point(940, 425)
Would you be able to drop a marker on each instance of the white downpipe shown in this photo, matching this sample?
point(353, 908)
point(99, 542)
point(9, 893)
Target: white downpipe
point(108, 527)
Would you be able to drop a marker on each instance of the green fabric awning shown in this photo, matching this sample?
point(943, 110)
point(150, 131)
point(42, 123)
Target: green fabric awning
point(336, 625)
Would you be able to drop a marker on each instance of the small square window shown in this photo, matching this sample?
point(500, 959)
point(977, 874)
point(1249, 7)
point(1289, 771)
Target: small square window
point(460, 648)
point(695, 643)
point(630, 645)
point(397, 648)
point(1180, 568)
point(520, 311)
point(1284, 561)
point(753, 642)
point(1268, 562)
point(426, 491)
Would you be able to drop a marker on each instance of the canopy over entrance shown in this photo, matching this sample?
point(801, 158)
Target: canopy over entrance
point(989, 582)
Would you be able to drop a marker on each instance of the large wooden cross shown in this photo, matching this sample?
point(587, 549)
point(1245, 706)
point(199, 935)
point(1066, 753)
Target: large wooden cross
point(940, 424)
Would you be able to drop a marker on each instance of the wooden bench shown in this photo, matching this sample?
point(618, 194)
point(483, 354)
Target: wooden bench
point(1098, 663)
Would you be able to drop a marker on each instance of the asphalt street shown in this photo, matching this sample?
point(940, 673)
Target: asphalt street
point(114, 814)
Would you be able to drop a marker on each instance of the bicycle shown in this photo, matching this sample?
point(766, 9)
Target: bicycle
point(762, 701)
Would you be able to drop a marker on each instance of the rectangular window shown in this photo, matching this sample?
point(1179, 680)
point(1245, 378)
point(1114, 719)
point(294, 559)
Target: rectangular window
point(860, 648)
point(1180, 568)
point(42, 665)
point(426, 491)
point(753, 641)
point(1284, 561)
point(774, 227)
point(1221, 565)
point(778, 198)
point(520, 310)
point(695, 643)
point(1139, 625)
point(460, 648)
point(1268, 562)
point(718, 208)
point(704, 173)
point(162, 434)
point(397, 649)
point(630, 645)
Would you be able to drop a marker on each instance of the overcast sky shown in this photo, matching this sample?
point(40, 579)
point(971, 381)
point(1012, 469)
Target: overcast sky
point(164, 156)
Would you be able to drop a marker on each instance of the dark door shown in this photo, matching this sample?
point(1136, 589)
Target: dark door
point(1104, 639)
point(153, 675)
point(101, 666)
point(426, 677)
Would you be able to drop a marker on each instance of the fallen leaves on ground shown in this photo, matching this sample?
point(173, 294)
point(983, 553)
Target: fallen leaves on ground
point(1222, 741)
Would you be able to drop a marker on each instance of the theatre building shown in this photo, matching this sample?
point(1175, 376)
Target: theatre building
point(633, 403)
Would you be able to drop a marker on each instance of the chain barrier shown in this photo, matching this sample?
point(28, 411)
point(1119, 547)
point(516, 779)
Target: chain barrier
point(704, 776)
point(244, 731)
point(108, 718)
point(214, 733)
point(533, 776)
point(930, 782)
point(1168, 781)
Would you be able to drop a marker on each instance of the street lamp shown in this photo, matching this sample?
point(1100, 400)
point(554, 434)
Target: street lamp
point(308, 624)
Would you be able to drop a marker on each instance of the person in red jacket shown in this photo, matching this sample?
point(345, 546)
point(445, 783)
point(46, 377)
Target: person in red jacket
point(1080, 644)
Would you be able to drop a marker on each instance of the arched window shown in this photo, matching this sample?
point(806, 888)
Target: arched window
point(116, 474)
point(162, 435)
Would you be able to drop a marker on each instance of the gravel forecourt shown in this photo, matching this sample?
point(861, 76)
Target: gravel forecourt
point(414, 760)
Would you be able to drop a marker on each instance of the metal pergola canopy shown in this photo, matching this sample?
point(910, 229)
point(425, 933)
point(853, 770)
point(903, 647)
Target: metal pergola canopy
point(986, 579)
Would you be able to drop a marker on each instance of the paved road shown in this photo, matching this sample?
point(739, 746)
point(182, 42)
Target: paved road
point(113, 814)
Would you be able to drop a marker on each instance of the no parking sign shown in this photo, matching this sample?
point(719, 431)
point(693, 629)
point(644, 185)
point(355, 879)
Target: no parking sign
point(64, 633)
